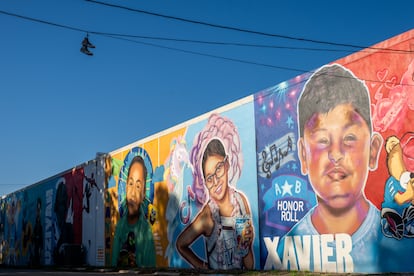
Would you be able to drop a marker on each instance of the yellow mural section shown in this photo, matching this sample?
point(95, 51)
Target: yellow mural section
point(158, 150)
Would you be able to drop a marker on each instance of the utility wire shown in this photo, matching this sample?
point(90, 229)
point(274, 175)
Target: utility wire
point(43, 21)
point(244, 61)
point(121, 37)
point(369, 50)
point(213, 56)
point(171, 39)
point(234, 43)
point(240, 29)
point(382, 50)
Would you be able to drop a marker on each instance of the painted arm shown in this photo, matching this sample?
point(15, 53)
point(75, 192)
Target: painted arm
point(195, 229)
point(406, 196)
point(248, 260)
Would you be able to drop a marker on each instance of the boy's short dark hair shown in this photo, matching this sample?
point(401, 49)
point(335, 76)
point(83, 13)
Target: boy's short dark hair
point(328, 87)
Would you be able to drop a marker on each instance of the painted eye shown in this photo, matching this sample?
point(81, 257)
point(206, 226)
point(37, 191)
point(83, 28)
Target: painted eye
point(323, 141)
point(351, 138)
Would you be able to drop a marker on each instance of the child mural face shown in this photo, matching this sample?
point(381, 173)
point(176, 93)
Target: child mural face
point(215, 176)
point(135, 188)
point(336, 151)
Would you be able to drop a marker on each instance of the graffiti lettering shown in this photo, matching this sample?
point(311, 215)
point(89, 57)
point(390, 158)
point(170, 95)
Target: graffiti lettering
point(327, 252)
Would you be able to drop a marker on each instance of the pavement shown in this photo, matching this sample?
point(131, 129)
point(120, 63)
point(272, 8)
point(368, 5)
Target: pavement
point(71, 271)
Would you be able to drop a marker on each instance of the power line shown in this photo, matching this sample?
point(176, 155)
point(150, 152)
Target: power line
point(240, 29)
point(43, 21)
point(170, 39)
point(233, 43)
point(197, 41)
point(122, 37)
point(119, 36)
point(244, 61)
point(213, 56)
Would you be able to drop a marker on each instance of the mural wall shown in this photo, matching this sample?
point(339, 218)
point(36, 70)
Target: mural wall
point(334, 153)
point(315, 174)
point(187, 198)
point(43, 224)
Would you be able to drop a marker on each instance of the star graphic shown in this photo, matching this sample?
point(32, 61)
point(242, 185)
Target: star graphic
point(294, 167)
point(289, 122)
point(287, 189)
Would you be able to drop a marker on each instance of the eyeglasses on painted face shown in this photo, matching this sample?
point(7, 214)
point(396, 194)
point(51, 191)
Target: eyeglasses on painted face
point(218, 173)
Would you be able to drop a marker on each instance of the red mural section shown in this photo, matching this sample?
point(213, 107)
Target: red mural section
point(74, 189)
point(388, 74)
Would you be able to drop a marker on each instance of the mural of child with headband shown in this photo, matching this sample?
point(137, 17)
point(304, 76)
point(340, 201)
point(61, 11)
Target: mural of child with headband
point(224, 220)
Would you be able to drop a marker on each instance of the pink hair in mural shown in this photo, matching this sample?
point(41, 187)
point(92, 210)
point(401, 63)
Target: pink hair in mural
point(217, 128)
point(389, 112)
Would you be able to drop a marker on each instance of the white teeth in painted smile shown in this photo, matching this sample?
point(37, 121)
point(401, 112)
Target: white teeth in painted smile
point(218, 190)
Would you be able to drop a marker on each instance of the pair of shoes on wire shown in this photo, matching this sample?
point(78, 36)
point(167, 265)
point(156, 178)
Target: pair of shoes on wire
point(86, 44)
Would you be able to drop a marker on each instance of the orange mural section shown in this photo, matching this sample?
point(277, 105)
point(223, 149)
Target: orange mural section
point(157, 151)
point(162, 197)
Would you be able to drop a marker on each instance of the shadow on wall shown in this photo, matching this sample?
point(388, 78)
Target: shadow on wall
point(111, 217)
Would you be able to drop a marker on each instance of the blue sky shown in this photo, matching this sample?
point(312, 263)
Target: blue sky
point(59, 107)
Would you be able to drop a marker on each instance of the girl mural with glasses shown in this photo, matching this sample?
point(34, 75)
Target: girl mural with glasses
point(224, 219)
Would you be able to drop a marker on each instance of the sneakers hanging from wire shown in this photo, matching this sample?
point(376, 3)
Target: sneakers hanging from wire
point(86, 44)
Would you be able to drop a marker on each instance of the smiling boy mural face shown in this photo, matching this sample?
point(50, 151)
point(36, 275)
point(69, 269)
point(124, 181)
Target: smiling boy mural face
point(337, 147)
point(133, 242)
point(135, 189)
point(336, 151)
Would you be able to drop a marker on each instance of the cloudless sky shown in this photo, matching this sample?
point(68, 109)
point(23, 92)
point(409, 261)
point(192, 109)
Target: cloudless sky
point(59, 107)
